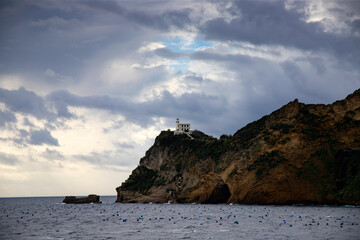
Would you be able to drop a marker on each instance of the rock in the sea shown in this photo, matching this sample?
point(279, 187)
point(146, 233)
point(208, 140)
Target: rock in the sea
point(92, 198)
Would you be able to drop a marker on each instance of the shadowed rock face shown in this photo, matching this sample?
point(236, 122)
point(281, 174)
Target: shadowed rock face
point(347, 169)
point(220, 194)
point(297, 154)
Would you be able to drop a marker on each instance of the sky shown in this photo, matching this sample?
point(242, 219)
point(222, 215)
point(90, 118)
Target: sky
point(86, 86)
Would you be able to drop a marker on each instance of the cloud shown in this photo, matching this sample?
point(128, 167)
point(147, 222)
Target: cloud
point(355, 25)
point(62, 99)
point(57, 22)
point(5, 117)
point(167, 53)
point(271, 23)
point(205, 55)
point(293, 72)
point(49, 73)
point(27, 102)
point(266, 23)
point(23, 133)
point(193, 77)
point(238, 58)
point(192, 105)
point(27, 122)
point(102, 159)
point(93, 157)
point(151, 47)
point(163, 21)
point(125, 146)
point(52, 155)
point(8, 159)
point(189, 105)
point(40, 137)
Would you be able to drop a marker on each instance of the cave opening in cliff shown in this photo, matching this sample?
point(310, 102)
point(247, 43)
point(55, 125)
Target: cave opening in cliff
point(220, 194)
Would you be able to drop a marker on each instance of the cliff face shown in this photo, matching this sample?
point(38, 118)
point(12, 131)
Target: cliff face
point(297, 154)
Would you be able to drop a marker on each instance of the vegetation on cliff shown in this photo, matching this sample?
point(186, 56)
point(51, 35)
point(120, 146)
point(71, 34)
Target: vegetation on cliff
point(297, 154)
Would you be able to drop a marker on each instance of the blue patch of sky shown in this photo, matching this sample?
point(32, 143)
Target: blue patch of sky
point(180, 45)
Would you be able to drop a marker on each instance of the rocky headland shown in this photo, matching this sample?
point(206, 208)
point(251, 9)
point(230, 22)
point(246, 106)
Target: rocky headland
point(299, 154)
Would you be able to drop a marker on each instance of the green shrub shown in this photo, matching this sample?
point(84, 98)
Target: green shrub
point(212, 149)
point(140, 180)
point(225, 137)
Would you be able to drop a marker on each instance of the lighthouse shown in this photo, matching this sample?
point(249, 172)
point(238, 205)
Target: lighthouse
point(182, 127)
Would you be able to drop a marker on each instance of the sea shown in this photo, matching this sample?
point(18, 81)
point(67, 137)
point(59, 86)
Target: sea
point(48, 218)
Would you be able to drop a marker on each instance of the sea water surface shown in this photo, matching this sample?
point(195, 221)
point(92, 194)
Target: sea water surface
point(48, 218)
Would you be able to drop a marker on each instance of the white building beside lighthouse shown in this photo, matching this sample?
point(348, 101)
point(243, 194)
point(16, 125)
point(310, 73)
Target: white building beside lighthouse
point(182, 127)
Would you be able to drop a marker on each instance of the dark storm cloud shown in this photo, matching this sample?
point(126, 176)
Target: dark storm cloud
point(264, 22)
point(239, 58)
point(355, 25)
point(6, 116)
point(350, 8)
point(41, 137)
point(189, 104)
point(24, 101)
point(167, 53)
point(56, 38)
point(163, 21)
point(292, 70)
point(270, 23)
point(62, 99)
point(8, 159)
point(317, 63)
